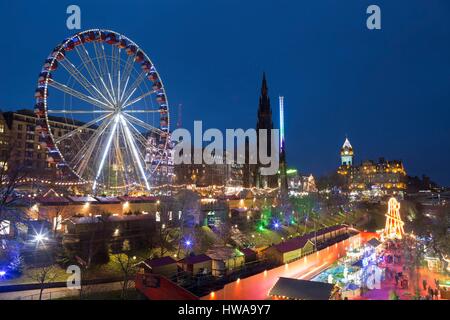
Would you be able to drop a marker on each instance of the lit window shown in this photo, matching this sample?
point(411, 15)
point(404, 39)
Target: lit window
point(5, 227)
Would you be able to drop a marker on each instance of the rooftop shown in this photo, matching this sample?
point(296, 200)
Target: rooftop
point(292, 244)
point(300, 242)
point(77, 199)
point(223, 253)
point(248, 252)
point(195, 259)
point(302, 289)
point(159, 262)
point(347, 144)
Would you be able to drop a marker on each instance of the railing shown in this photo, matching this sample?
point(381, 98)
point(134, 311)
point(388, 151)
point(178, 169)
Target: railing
point(51, 295)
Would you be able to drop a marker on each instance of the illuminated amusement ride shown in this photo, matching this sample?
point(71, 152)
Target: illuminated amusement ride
point(108, 94)
point(394, 224)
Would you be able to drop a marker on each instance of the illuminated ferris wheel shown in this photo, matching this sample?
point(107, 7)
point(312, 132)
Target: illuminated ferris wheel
point(99, 103)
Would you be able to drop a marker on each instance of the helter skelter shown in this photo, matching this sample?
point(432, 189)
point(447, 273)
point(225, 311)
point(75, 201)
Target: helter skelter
point(106, 91)
point(394, 224)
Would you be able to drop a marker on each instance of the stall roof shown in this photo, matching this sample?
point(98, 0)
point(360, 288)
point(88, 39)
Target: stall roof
point(248, 252)
point(292, 244)
point(223, 253)
point(148, 199)
point(52, 200)
point(94, 219)
point(108, 199)
point(322, 231)
point(138, 199)
point(82, 199)
point(195, 259)
point(302, 289)
point(159, 262)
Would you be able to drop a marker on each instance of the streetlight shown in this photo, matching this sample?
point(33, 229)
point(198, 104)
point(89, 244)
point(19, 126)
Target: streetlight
point(39, 238)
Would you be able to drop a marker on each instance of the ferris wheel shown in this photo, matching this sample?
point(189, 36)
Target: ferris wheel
point(99, 103)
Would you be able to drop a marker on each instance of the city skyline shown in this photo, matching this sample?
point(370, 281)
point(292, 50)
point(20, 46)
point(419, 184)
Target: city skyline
point(326, 65)
point(225, 150)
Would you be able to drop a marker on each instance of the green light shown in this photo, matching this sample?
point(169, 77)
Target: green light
point(261, 228)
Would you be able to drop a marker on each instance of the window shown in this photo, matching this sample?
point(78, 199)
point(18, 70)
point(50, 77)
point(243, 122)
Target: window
point(2, 128)
point(4, 165)
point(19, 127)
point(5, 226)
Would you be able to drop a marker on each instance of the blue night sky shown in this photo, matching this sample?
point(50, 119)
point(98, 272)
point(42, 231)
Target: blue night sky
point(388, 90)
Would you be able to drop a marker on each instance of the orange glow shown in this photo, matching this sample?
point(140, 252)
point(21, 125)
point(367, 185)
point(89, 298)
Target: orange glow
point(256, 287)
point(394, 223)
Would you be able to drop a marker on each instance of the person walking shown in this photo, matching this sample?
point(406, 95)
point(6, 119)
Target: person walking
point(436, 281)
point(436, 293)
point(424, 284)
point(430, 292)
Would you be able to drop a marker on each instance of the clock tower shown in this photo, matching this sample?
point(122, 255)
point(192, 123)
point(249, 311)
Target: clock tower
point(347, 153)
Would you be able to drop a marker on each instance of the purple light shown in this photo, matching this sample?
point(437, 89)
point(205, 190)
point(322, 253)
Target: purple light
point(188, 243)
point(276, 225)
point(2, 273)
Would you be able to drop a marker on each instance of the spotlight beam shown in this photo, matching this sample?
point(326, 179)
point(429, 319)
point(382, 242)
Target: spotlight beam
point(105, 152)
point(129, 137)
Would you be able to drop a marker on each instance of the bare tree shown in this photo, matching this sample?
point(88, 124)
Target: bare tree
point(187, 203)
point(98, 237)
point(224, 232)
point(127, 265)
point(57, 222)
point(167, 231)
point(167, 237)
point(11, 174)
point(43, 276)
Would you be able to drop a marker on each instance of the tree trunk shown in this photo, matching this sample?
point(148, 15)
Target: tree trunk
point(124, 287)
